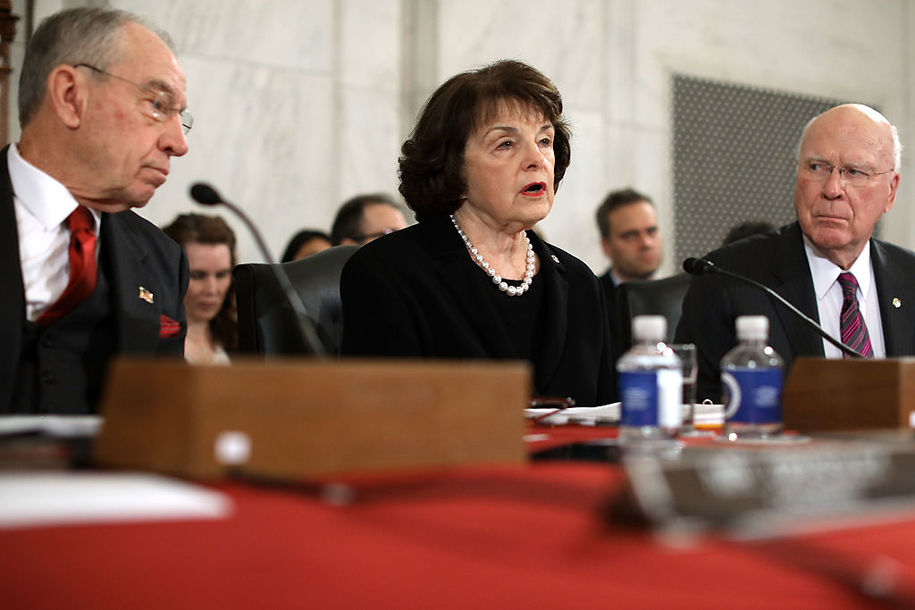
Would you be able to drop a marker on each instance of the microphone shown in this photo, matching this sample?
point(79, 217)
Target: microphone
point(703, 266)
point(698, 266)
point(205, 194)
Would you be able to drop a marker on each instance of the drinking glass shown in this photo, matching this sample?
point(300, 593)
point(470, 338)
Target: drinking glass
point(686, 353)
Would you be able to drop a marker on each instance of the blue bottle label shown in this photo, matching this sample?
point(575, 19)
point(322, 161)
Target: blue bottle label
point(752, 396)
point(650, 398)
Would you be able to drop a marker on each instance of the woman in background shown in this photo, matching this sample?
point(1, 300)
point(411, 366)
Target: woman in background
point(212, 329)
point(305, 243)
point(471, 279)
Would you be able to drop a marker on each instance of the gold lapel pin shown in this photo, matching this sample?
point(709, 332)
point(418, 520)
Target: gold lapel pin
point(553, 256)
point(146, 295)
point(897, 303)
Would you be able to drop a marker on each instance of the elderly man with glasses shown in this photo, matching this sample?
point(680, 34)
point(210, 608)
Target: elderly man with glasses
point(102, 108)
point(827, 263)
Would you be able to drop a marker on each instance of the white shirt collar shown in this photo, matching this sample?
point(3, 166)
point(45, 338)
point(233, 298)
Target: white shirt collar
point(617, 280)
point(45, 198)
point(825, 272)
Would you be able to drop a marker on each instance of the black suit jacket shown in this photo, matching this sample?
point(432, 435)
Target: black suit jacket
point(613, 318)
point(416, 293)
point(609, 288)
point(140, 255)
point(777, 260)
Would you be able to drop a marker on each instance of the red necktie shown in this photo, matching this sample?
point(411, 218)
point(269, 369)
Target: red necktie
point(851, 323)
point(83, 268)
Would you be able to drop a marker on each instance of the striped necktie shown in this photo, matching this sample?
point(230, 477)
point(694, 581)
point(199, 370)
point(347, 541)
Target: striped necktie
point(851, 322)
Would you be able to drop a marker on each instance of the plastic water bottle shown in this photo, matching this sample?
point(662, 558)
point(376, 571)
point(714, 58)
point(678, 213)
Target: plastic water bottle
point(650, 384)
point(751, 381)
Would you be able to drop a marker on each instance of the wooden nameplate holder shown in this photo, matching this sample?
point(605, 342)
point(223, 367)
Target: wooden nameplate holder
point(310, 419)
point(826, 395)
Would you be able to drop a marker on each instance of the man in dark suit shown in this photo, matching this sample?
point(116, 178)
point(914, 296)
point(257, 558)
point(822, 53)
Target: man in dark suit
point(631, 239)
point(102, 110)
point(847, 176)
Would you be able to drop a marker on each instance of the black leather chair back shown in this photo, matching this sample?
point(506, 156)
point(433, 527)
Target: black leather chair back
point(266, 322)
point(658, 297)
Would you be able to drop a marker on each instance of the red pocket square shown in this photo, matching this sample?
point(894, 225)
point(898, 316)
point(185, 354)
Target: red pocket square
point(168, 327)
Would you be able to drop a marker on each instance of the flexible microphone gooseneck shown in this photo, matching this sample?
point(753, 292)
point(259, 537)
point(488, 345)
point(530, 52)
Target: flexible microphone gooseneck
point(703, 266)
point(205, 194)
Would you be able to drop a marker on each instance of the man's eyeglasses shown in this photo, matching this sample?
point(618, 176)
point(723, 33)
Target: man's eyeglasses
point(820, 170)
point(159, 104)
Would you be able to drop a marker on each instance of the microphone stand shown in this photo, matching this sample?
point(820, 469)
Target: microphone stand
point(700, 266)
point(306, 328)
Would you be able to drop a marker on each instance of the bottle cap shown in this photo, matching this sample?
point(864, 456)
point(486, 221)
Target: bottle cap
point(752, 328)
point(649, 328)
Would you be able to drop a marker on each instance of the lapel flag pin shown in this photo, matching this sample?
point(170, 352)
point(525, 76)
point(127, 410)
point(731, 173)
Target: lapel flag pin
point(146, 295)
point(897, 303)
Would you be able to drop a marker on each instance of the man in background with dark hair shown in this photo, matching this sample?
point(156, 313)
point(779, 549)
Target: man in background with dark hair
point(746, 229)
point(631, 239)
point(364, 218)
point(629, 236)
point(102, 105)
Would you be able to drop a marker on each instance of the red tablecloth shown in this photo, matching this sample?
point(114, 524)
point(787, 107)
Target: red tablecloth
point(483, 537)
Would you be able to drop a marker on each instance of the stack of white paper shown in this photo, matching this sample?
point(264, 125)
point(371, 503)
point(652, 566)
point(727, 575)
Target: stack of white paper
point(29, 499)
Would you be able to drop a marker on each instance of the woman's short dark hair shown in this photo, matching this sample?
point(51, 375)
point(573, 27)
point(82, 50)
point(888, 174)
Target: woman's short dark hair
point(432, 162)
point(211, 230)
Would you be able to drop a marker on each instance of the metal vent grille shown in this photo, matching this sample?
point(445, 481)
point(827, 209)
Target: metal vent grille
point(734, 158)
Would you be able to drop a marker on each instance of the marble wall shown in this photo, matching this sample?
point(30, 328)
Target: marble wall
point(300, 104)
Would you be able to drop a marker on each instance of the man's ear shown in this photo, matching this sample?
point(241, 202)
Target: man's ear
point(66, 90)
point(894, 186)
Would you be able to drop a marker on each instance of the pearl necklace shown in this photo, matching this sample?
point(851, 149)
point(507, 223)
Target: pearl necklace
point(512, 291)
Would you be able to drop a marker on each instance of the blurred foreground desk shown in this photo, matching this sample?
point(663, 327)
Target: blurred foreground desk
point(472, 537)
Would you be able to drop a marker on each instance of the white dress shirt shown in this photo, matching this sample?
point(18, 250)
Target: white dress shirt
point(42, 206)
point(829, 297)
point(617, 280)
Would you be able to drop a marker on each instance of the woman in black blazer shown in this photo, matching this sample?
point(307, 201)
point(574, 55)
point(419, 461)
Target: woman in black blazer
point(471, 279)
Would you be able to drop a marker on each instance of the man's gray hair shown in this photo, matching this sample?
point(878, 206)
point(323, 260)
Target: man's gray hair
point(88, 35)
point(894, 133)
